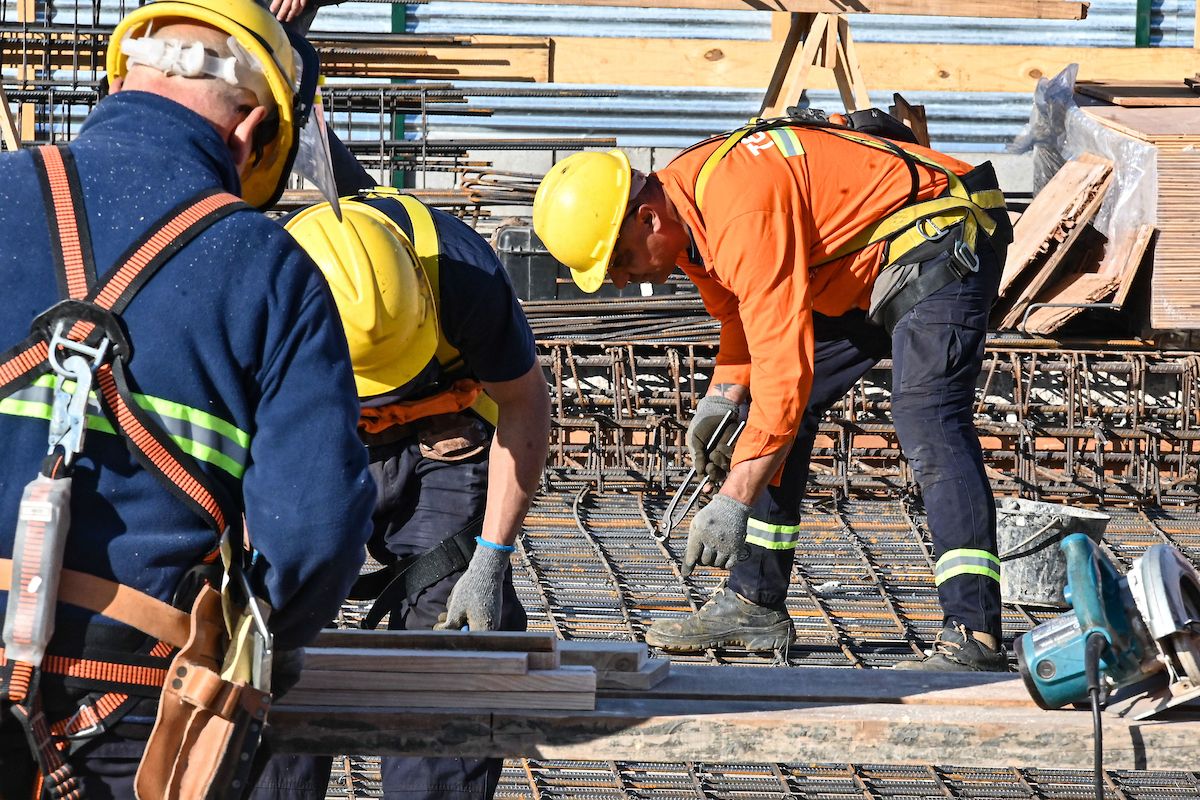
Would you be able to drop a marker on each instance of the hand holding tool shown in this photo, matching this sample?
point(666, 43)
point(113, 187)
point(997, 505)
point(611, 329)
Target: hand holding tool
point(717, 534)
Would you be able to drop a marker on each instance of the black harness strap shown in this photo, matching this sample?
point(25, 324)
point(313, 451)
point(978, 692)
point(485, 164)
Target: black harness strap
point(393, 584)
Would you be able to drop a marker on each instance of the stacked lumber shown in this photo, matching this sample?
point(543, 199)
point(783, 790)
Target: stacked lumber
point(352, 669)
point(1058, 261)
point(1174, 132)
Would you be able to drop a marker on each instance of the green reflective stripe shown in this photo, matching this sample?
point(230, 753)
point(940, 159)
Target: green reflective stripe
point(966, 562)
point(967, 569)
point(772, 537)
point(198, 433)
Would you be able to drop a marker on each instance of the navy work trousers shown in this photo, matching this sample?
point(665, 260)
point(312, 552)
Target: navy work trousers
point(421, 502)
point(937, 352)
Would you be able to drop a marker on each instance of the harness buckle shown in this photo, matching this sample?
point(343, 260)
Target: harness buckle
point(68, 421)
point(963, 259)
point(94, 729)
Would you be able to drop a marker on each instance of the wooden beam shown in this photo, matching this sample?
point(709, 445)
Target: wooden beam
point(896, 67)
point(759, 715)
point(1020, 9)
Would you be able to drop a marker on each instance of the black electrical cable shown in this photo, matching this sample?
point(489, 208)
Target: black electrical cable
point(1093, 649)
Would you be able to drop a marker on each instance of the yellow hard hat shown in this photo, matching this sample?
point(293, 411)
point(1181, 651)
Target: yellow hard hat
point(382, 293)
point(578, 210)
point(289, 65)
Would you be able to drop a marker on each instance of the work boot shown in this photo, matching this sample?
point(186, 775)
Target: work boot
point(957, 649)
point(727, 618)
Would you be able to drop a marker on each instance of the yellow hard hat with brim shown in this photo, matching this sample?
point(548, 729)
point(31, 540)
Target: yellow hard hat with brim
point(578, 210)
point(382, 293)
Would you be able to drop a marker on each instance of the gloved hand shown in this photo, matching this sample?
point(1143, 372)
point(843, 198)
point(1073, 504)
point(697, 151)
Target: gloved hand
point(717, 534)
point(709, 412)
point(475, 600)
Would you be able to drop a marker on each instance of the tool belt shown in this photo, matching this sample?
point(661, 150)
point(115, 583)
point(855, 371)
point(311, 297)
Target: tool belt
point(390, 586)
point(215, 690)
point(944, 257)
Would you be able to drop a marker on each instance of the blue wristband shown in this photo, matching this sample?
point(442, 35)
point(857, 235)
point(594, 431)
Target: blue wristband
point(503, 548)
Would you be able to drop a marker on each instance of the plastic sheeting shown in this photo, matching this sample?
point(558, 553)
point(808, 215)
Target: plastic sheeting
point(1059, 131)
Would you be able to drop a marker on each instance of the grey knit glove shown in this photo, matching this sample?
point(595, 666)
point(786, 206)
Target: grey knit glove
point(710, 411)
point(717, 534)
point(475, 600)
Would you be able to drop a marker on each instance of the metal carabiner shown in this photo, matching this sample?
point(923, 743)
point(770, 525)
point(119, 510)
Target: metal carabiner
point(68, 419)
point(938, 233)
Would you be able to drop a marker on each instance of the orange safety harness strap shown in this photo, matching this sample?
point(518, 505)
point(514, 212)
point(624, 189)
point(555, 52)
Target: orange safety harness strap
point(459, 397)
point(89, 313)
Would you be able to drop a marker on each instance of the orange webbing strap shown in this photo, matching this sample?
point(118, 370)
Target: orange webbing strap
point(459, 397)
point(116, 601)
point(70, 243)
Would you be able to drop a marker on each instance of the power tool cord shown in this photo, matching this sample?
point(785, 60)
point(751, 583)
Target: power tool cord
point(1093, 649)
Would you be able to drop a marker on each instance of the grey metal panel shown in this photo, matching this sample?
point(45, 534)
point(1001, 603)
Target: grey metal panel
point(1110, 23)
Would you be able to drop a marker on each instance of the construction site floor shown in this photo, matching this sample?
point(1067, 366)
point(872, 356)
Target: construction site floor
point(862, 596)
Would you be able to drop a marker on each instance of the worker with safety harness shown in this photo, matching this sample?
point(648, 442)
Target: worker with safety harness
point(172, 362)
point(820, 248)
point(455, 417)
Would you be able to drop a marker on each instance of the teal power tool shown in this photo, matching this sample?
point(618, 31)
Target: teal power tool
point(1123, 631)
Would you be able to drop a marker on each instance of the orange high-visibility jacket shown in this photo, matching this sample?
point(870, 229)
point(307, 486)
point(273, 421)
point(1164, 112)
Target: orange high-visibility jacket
point(771, 211)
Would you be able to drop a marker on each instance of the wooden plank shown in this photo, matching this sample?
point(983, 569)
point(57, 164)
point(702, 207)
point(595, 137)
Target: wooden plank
point(1040, 227)
point(911, 115)
point(1019, 9)
point(651, 674)
point(930, 67)
point(345, 700)
point(1136, 94)
point(1149, 124)
point(8, 124)
point(978, 717)
point(566, 679)
point(495, 641)
point(1087, 287)
point(551, 660)
point(1133, 263)
point(1049, 267)
point(604, 655)
point(379, 660)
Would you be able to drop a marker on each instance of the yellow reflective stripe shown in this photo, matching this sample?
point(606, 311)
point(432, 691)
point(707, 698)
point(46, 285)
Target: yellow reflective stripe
point(766, 526)
point(949, 555)
point(771, 544)
point(967, 569)
point(194, 416)
point(773, 537)
point(710, 163)
point(966, 561)
point(786, 141)
point(212, 456)
point(15, 407)
point(198, 433)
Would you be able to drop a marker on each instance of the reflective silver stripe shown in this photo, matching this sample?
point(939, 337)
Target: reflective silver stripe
point(198, 433)
point(772, 536)
point(966, 561)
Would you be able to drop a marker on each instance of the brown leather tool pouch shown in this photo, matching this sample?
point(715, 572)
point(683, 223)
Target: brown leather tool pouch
point(207, 729)
point(452, 437)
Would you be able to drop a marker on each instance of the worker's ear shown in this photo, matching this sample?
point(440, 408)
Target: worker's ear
point(241, 138)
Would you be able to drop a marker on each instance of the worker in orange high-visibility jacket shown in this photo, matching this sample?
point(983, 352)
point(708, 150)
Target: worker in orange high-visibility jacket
point(820, 249)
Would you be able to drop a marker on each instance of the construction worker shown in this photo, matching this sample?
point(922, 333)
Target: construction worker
point(456, 419)
point(217, 368)
point(819, 249)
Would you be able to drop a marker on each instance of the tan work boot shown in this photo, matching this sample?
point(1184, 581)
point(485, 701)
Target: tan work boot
point(726, 619)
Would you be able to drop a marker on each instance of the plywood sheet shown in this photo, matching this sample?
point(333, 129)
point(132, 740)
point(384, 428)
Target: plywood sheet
point(1138, 94)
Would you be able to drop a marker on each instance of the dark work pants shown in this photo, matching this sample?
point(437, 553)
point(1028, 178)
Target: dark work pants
point(937, 352)
point(421, 502)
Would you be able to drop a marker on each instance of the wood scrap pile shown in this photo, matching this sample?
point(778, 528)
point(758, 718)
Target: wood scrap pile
point(463, 670)
point(1059, 265)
